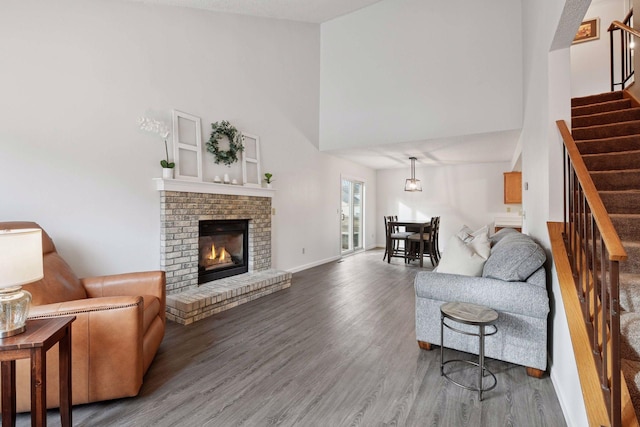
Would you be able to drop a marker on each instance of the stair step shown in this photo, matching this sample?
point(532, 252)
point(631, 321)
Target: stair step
point(627, 226)
point(630, 268)
point(630, 292)
point(630, 336)
point(612, 161)
point(618, 116)
point(606, 145)
point(602, 107)
point(594, 99)
point(631, 265)
point(612, 180)
point(607, 131)
point(621, 202)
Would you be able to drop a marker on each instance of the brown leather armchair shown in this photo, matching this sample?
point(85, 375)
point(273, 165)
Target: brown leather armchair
point(120, 323)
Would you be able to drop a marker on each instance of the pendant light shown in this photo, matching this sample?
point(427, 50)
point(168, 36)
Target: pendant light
point(413, 184)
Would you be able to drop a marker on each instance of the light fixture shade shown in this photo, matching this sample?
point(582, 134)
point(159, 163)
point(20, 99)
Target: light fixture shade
point(20, 257)
point(412, 184)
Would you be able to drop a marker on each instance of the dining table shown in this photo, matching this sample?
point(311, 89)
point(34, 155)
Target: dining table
point(419, 226)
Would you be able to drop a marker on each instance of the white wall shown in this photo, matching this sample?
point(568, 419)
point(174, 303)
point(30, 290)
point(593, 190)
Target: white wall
point(75, 76)
point(546, 99)
point(409, 70)
point(590, 69)
point(460, 194)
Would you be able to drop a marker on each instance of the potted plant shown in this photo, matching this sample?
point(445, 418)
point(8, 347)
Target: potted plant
point(268, 178)
point(162, 130)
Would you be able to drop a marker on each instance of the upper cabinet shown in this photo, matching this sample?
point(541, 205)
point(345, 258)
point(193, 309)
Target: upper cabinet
point(513, 188)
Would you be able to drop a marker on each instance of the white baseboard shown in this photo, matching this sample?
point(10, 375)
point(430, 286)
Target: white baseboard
point(313, 264)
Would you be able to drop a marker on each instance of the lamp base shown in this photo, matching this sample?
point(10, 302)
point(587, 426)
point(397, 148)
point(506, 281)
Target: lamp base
point(14, 309)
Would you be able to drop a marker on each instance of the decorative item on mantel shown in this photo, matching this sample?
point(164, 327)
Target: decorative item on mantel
point(268, 179)
point(219, 130)
point(251, 176)
point(162, 130)
point(187, 146)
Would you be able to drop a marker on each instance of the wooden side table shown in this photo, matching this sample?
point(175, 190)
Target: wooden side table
point(40, 336)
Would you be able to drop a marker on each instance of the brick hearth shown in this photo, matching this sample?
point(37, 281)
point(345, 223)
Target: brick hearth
point(181, 210)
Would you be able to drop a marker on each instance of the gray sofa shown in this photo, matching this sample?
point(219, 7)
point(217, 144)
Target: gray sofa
point(513, 283)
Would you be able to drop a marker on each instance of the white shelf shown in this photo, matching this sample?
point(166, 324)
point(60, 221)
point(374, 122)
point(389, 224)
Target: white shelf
point(211, 188)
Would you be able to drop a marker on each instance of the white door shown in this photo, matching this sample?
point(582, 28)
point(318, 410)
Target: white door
point(352, 218)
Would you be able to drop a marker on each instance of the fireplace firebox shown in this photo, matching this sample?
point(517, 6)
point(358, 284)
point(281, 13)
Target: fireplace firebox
point(224, 249)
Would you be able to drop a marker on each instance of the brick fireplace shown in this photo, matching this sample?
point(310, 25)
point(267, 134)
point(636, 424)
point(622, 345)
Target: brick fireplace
point(183, 204)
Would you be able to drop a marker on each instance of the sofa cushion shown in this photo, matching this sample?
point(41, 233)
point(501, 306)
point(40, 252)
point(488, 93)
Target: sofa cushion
point(514, 258)
point(466, 259)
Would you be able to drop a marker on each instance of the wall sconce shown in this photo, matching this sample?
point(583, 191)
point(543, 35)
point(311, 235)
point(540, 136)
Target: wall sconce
point(413, 184)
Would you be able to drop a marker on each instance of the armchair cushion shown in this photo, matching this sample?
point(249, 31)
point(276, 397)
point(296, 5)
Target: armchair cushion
point(60, 283)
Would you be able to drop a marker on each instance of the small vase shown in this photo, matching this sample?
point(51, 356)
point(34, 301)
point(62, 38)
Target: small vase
point(226, 178)
point(167, 173)
point(268, 185)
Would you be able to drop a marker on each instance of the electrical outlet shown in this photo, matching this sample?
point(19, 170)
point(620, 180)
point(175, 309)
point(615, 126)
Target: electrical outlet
point(302, 251)
point(508, 209)
point(273, 211)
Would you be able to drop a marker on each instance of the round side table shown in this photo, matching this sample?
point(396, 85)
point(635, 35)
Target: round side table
point(475, 315)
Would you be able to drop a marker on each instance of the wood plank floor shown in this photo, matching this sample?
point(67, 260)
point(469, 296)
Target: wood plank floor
point(338, 348)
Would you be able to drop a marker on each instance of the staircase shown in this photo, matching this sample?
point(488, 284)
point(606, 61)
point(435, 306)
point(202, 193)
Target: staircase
point(606, 128)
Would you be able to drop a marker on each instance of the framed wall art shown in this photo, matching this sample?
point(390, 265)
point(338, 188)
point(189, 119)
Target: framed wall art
point(187, 146)
point(587, 31)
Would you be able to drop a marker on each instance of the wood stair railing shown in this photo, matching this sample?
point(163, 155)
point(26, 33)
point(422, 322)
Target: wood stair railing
point(625, 56)
point(587, 261)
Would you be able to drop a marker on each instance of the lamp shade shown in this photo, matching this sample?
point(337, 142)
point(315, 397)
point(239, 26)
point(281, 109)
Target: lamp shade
point(20, 257)
point(412, 184)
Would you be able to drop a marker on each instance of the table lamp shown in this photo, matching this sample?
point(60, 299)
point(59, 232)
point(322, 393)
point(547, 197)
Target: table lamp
point(20, 263)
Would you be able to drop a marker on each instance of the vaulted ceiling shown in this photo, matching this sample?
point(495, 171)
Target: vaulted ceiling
point(489, 147)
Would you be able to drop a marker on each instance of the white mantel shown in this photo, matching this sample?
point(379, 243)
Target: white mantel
point(211, 188)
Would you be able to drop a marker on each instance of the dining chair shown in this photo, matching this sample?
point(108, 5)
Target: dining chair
point(429, 243)
point(436, 240)
point(393, 238)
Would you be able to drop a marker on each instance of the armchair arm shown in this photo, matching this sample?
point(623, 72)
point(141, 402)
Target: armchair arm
point(142, 283)
point(107, 345)
point(512, 297)
point(82, 306)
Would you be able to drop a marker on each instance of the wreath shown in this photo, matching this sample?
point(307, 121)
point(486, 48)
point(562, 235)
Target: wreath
point(218, 130)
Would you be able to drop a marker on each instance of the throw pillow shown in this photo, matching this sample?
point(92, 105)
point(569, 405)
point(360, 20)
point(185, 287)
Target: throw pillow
point(514, 258)
point(466, 259)
point(466, 234)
